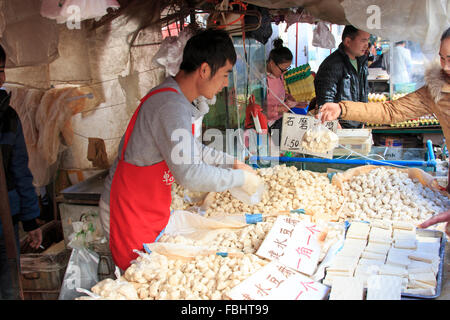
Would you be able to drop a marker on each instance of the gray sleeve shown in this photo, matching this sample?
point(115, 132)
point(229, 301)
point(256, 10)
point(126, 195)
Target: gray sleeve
point(171, 127)
point(217, 158)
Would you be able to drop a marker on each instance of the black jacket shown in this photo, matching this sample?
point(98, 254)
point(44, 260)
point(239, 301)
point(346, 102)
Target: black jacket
point(337, 80)
point(23, 200)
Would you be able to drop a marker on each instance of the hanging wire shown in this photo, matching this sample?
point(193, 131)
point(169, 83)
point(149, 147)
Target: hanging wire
point(87, 138)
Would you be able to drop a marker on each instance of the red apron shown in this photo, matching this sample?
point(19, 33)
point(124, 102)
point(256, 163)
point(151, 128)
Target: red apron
point(139, 201)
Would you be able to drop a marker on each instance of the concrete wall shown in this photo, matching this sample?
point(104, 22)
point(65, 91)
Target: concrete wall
point(118, 75)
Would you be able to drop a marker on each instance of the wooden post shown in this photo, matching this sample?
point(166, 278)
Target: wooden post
point(8, 234)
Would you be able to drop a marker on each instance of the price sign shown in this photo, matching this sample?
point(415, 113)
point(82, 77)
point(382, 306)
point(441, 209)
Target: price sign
point(293, 243)
point(276, 241)
point(278, 282)
point(293, 129)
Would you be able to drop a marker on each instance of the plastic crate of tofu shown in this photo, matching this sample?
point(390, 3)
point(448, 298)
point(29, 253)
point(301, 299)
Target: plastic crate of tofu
point(387, 260)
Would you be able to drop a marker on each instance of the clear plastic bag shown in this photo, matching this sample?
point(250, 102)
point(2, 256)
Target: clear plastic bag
point(250, 200)
point(81, 272)
point(319, 139)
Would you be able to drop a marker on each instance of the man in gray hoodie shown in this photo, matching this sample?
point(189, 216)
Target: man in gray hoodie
point(161, 146)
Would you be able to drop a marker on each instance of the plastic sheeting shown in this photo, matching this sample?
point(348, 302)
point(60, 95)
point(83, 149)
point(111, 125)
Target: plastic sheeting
point(45, 118)
point(28, 38)
point(326, 10)
point(65, 10)
point(419, 21)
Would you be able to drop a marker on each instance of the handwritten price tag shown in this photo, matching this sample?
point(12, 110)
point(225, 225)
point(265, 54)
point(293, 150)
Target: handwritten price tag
point(278, 282)
point(293, 129)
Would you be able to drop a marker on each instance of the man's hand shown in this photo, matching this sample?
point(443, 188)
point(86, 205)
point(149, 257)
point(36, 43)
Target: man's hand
point(441, 217)
point(329, 112)
point(240, 165)
point(35, 238)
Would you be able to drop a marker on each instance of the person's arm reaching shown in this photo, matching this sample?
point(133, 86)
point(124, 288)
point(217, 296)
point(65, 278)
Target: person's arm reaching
point(441, 217)
point(172, 132)
point(408, 107)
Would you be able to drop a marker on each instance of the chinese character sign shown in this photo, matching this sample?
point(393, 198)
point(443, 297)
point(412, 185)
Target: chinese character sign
point(294, 127)
point(278, 237)
point(303, 251)
point(293, 243)
point(278, 282)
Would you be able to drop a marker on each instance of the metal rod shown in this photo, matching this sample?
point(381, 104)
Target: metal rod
point(407, 163)
point(8, 235)
point(431, 155)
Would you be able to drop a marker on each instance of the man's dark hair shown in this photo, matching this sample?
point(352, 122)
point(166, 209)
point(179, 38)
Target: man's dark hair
point(400, 43)
point(445, 35)
point(349, 31)
point(212, 46)
point(2, 55)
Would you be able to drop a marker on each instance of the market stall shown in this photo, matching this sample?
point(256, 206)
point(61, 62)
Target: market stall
point(304, 230)
point(334, 218)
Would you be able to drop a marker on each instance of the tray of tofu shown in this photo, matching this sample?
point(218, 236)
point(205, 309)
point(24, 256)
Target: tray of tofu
point(387, 260)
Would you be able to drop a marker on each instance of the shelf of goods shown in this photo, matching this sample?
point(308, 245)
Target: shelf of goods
point(391, 201)
point(425, 121)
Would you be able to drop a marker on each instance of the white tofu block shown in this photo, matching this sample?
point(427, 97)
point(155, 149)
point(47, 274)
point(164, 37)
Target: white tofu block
point(343, 264)
point(421, 256)
point(397, 260)
point(373, 256)
point(403, 225)
point(427, 268)
point(365, 271)
point(404, 252)
point(386, 241)
point(382, 287)
point(357, 236)
point(369, 262)
point(393, 270)
point(368, 269)
point(383, 224)
point(355, 242)
point(428, 239)
point(334, 273)
point(404, 235)
point(424, 278)
point(420, 264)
point(405, 244)
point(377, 248)
point(358, 230)
point(429, 247)
point(350, 251)
point(347, 288)
point(421, 291)
point(380, 233)
point(328, 281)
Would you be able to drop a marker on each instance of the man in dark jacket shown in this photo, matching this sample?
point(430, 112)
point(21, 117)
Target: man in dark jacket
point(343, 74)
point(22, 196)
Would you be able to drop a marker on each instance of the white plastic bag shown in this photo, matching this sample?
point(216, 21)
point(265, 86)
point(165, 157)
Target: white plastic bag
point(81, 272)
point(170, 53)
point(420, 21)
point(62, 11)
point(322, 37)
